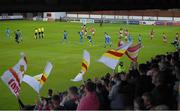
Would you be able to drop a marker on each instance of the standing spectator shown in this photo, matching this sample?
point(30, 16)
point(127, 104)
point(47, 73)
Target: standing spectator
point(117, 99)
point(72, 102)
point(56, 103)
point(148, 101)
point(103, 96)
point(162, 93)
point(138, 104)
point(90, 101)
point(143, 83)
point(50, 93)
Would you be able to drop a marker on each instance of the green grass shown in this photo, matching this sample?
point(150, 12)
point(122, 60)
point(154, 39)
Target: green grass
point(66, 58)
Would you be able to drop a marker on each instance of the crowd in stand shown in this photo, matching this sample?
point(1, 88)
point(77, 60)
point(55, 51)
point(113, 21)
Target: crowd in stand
point(147, 86)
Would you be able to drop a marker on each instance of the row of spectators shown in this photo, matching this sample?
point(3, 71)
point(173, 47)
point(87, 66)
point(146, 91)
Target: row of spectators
point(147, 86)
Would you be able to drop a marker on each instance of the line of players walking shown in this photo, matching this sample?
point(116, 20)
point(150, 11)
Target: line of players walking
point(124, 36)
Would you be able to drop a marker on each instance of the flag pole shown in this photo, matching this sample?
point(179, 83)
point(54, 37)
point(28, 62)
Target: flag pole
point(17, 98)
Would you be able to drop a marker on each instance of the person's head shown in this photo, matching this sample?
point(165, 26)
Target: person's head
point(50, 92)
point(148, 100)
point(99, 88)
point(64, 30)
point(154, 77)
point(56, 100)
point(142, 68)
point(154, 69)
point(121, 64)
point(73, 91)
point(138, 104)
point(163, 65)
point(90, 87)
point(161, 78)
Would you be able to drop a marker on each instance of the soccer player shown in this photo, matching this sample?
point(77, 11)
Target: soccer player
point(176, 41)
point(120, 42)
point(93, 30)
point(18, 36)
point(126, 33)
point(120, 33)
point(164, 38)
point(8, 32)
point(81, 36)
point(90, 40)
point(107, 40)
point(42, 32)
point(85, 32)
point(36, 33)
point(152, 34)
point(139, 38)
point(39, 32)
point(129, 38)
point(65, 36)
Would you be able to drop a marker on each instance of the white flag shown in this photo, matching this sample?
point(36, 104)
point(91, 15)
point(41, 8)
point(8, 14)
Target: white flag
point(37, 81)
point(78, 78)
point(84, 66)
point(31, 81)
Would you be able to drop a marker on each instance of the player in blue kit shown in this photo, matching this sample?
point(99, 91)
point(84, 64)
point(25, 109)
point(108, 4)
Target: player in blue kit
point(129, 38)
point(90, 40)
point(65, 36)
point(107, 40)
point(8, 33)
point(81, 36)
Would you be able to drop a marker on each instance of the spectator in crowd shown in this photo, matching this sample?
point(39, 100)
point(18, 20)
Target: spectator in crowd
point(103, 96)
point(90, 101)
point(50, 93)
point(117, 99)
point(138, 104)
point(148, 101)
point(143, 83)
point(56, 102)
point(162, 93)
point(73, 99)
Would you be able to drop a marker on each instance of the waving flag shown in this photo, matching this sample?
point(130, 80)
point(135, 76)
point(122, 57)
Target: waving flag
point(84, 66)
point(132, 52)
point(13, 76)
point(38, 81)
point(111, 57)
point(78, 78)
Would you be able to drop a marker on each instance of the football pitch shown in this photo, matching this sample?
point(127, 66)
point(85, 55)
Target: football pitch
point(66, 57)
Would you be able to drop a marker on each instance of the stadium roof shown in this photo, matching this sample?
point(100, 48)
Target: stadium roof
point(84, 5)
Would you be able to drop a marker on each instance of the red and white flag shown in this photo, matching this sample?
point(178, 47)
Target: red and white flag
point(13, 76)
point(132, 52)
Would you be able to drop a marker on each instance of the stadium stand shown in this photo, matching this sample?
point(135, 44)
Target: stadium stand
point(148, 86)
